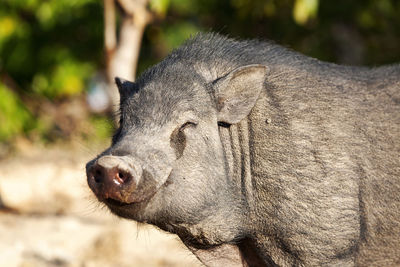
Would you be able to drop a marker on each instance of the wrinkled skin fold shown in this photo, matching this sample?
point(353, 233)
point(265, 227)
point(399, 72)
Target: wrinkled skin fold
point(255, 155)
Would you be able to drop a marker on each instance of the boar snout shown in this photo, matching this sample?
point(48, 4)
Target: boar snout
point(115, 178)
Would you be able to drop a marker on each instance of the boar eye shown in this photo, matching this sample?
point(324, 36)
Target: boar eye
point(187, 124)
point(178, 138)
point(224, 124)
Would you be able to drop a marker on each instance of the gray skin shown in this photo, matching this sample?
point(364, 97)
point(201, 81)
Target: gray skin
point(255, 155)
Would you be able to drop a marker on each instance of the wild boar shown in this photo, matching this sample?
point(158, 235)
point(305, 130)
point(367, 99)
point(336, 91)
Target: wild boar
point(256, 155)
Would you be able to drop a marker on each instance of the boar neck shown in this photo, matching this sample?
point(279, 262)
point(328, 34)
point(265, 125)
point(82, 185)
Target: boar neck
point(242, 254)
point(235, 142)
point(304, 102)
point(250, 146)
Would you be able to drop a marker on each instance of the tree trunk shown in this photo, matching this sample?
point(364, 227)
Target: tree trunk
point(122, 55)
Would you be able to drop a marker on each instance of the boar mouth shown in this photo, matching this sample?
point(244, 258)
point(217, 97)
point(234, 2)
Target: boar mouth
point(143, 197)
point(146, 191)
point(136, 198)
point(113, 202)
point(119, 181)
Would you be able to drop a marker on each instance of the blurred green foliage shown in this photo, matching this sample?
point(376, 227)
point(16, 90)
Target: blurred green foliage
point(304, 10)
point(49, 49)
point(14, 117)
point(358, 32)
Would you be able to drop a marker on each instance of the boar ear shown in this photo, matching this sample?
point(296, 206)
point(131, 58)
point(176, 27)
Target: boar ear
point(125, 87)
point(237, 92)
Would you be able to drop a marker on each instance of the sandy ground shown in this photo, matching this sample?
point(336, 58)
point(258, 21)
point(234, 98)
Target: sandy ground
point(55, 221)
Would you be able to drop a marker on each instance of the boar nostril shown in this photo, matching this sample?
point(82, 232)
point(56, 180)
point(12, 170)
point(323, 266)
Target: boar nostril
point(121, 177)
point(107, 173)
point(98, 176)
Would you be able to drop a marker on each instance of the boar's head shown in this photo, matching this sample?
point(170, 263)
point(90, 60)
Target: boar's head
point(166, 165)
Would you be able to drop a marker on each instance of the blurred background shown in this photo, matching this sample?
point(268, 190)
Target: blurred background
point(57, 99)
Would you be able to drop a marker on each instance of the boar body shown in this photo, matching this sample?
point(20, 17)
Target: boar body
point(257, 155)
